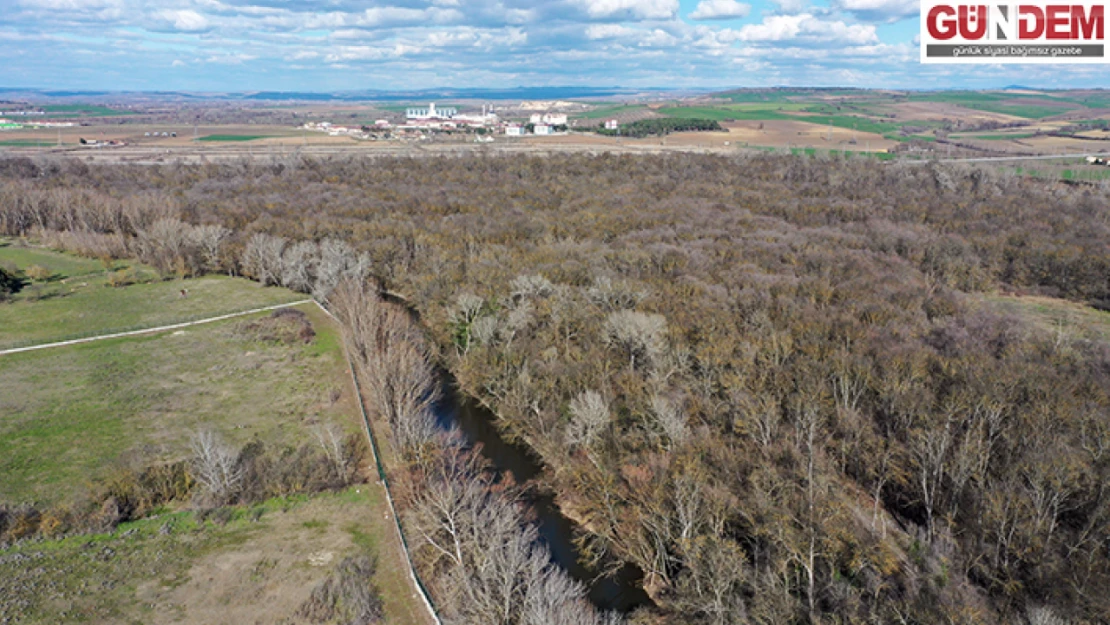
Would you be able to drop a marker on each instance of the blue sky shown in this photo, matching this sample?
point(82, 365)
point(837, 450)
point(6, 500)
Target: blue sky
point(327, 45)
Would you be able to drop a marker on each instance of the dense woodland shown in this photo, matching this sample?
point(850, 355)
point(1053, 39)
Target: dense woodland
point(772, 383)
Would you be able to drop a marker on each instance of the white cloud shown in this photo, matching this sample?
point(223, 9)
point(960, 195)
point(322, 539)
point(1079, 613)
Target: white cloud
point(806, 27)
point(71, 5)
point(791, 6)
point(629, 9)
point(720, 10)
point(654, 38)
point(384, 16)
point(185, 20)
point(880, 10)
point(230, 59)
point(607, 31)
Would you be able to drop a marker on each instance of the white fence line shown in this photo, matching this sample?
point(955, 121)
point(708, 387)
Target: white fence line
point(421, 590)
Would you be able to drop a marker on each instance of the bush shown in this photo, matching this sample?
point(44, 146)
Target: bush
point(285, 325)
point(122, 277)
point(38, 273)
point(348, 596)
point(10, 282)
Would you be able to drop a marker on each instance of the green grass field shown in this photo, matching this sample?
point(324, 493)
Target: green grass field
point(233, 137)
point(62, 265)
point(1005, 103)
point(27, 143)
point(1075, 172)
point(610, 111)
point(84, 110)
point(258, 566)
point(76, 300)
point(71, 412)
point(1058, 317)
point(728, 113)
point(782, 113)
point(997, 137)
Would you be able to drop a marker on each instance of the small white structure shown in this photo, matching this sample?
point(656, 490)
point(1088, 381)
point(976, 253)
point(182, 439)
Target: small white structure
point(541, 130)
point(551, 119)
point(612, 124)
point(514, 131)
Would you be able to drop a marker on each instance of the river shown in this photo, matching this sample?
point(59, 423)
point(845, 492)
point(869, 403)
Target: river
point(622, 592)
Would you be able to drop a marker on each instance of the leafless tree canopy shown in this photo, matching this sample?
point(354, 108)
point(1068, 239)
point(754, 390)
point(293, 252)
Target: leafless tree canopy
point(826, 401)
point(215, 465)
point(392, 362)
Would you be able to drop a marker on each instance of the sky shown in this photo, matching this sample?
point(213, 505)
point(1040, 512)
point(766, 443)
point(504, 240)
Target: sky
point(346, 45)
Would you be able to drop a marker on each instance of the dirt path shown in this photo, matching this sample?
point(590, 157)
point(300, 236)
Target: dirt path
point(101, 337)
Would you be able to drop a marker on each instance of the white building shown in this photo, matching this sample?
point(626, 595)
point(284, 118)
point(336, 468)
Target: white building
point(431, 112)
point(541, 130)
point(612, 124)
point(514, 131)
point(551, 119)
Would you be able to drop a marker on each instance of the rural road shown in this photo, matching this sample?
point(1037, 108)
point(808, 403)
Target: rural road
point(101, 337)
point(990, 159)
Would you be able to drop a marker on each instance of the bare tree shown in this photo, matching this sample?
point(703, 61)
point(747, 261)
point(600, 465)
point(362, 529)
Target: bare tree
point(671, 418)
point(494, 569)
point(930, 452)
point(1043, 616)
point(216, 467)
point(298, 266)
point(167, 244)
point(392, 361)
point(484, 331)
point(332, 442)
point(338, 261)
point(209, 240)
point(640, 335)
point(612, 296)
point(589, 416)
point(262, 258)
point(530, 286)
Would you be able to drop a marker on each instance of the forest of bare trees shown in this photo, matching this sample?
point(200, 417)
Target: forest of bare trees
point(772, 383)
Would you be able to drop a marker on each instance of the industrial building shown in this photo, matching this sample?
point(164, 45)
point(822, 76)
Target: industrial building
point(431, 112)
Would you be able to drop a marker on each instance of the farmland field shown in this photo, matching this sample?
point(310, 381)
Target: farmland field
point(233, 137)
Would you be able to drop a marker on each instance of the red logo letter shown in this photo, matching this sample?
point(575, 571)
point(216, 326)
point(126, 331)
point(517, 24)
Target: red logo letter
point(941, 29)
point(980, 18)
point(1033, 27)
point(1057, 15)
point(1087, 27)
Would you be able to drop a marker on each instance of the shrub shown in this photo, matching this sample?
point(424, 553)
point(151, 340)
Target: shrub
point(285, 325)
point(38, 273)
point(348, 596)
point(10, 282)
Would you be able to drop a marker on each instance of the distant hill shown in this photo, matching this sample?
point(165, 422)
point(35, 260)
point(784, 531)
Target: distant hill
point(511, 93)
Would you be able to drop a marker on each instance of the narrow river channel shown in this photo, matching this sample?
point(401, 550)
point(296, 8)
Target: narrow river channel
point(622, 592)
